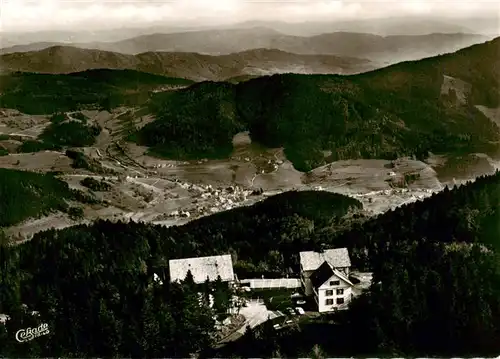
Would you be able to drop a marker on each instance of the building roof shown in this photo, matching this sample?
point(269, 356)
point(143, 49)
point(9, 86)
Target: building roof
point(202, 267)
point(338, 257)
point(321, 275)
point(342, 276)
point(325, 272)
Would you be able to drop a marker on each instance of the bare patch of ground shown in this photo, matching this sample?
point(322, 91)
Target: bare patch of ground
point(24, 231)
point(365, 176)
point(242, 139)
point(462, 168)
point(492, 113)
point(20, 127)
point(379, 184)
point(10, 145)
point(44, 161)
point(284, 177)
point(19, 121)
point(460, 88)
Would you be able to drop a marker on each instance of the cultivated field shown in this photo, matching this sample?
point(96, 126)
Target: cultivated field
point(145, 188)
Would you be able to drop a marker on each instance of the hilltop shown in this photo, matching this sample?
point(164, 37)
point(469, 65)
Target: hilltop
point(34, 93)
point(411, 108)
point(194, 66)
point(380, 49)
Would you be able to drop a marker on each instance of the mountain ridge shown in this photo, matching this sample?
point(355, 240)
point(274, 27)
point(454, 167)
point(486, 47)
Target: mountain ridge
point(388, 49)
point(410, 108)
point(194, 66)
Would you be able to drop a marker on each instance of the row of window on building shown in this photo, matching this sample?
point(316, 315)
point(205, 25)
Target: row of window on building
point(330, 301)
point(329, 293)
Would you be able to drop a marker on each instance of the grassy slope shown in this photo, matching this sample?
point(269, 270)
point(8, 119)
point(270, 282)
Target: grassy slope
point(34, 93)
point(27, 194)
point(381, 114)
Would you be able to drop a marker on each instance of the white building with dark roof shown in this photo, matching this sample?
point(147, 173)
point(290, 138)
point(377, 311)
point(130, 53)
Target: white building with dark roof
point(325, 276)
point(202, 267)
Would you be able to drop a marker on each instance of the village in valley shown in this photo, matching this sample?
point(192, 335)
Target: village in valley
point(249, 179)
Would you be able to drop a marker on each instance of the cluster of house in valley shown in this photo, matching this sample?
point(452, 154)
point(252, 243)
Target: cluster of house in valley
point(207, 199)
point(325, 277)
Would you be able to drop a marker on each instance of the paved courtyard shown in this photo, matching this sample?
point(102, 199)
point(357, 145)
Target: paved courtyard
point(256, 313)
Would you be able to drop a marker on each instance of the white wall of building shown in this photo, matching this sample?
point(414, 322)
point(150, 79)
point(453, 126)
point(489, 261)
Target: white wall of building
point(328, 291)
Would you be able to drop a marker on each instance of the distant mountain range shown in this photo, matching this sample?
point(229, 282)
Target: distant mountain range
point(388, 26)
point(384, 27)
point(378, 49)
point(65, 59)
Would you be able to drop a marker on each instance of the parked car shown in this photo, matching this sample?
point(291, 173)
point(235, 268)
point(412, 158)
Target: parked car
point(290, 311)
point(300, 310)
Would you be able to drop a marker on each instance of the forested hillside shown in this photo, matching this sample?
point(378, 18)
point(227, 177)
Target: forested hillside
point(385, 113)
point(436, 269)
point(34, 93)
point(97, 280)
point(71, 133)
point(26, 194)
point(396, 111)
point(199, 122)
point(435, 264)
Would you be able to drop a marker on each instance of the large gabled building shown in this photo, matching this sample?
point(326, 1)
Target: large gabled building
point(202, 268)
point(325, 276)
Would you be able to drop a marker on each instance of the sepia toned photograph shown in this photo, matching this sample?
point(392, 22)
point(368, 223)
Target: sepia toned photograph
point(249, 179)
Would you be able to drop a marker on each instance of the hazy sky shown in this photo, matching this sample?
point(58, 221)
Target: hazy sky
point(20, 15)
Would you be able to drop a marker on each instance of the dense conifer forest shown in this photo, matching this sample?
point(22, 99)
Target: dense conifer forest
point(29, 195)
point(436, 269)
point(435, 263)
point(35, 93)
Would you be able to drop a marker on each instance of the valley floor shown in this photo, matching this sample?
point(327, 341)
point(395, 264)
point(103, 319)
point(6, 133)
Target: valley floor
point(145, 188)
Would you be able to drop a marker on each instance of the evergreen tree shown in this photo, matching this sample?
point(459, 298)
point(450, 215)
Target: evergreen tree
point(151, 335)
point(206, 292)
point(221, 296)
point(109, 332)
